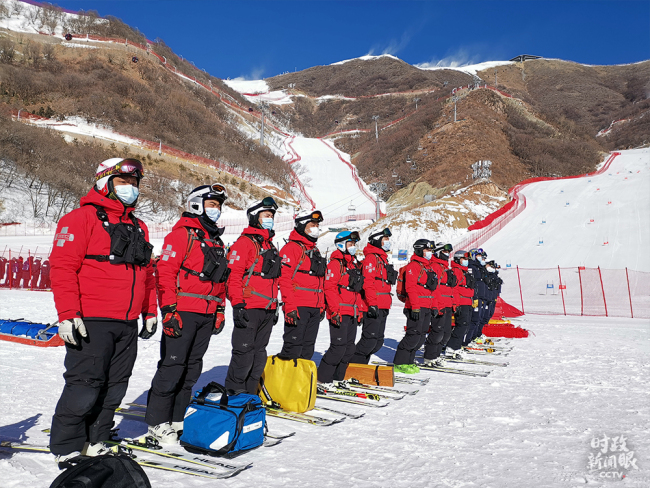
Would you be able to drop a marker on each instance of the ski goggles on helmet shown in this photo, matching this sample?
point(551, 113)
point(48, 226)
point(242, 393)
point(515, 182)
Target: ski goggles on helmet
point(315, 216)
point(215, 191)
point(131, 167)
point(268, 203)
point(347, 236)
point(446, 248)
point(382, 233)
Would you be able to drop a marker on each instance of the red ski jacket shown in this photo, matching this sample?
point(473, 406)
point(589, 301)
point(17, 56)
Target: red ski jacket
point(444, 293)
point(182, 247)
point(297, 286)
point(415, 277)
point(246, 285)
point(89, 288)
point(376, 289)
point(462, 294)
point(339, 299)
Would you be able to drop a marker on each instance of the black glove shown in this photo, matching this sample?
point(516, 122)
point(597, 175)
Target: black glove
point(172, 323)
point(291, 318)
point(276, 317)
point(240, 316)
point(335, 321)
point(219, 320)
point(415, 315)
point(373, 312)
point(322, 315)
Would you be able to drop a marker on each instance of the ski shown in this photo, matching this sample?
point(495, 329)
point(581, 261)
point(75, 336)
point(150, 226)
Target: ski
point(137, 413)
point(150, 463)
point(356, 384)
point(444, 369)
point(386, 395)
point(302, 417)
point(411, 381)
point(349, 393)
point(477, 361)
point(355, 401)
point(483, 352)
point(338, 412)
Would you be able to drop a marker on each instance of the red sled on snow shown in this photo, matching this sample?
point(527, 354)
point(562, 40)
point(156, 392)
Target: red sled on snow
point(498, 327)
point(29, 333)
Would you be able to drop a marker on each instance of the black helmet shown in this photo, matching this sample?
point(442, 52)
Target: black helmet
point(458, 255)
point(443, 252)
point(420, 245)
point(267, 204)
point(375, 239)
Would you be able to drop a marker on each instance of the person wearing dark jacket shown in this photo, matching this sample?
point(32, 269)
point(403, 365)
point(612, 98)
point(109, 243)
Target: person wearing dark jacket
point(379, 276)
point(479, 301)
point(102, 281)
point(192, 272)
point(252, 289)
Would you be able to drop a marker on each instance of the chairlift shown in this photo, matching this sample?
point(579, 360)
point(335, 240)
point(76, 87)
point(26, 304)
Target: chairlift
point(352, 208)
point(68, 37)
point(250, 109)
point(398, 182)
point(394, 174)
point(134, 59)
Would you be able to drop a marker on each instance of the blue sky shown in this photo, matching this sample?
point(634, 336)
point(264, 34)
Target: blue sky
point(257, 39)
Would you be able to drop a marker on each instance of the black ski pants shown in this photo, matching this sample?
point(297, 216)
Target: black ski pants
point(415, 332)
point(475, 322)
point(300, 340)
point(249, 351)
point(96, 377)
point(179, 368)
point(337, 357)
point(489, 312)
point(372, 337)
point(439, 334)
point(463, 316)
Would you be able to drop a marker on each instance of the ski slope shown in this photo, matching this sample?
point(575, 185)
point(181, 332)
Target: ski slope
point(592, 221)
point(329, 181)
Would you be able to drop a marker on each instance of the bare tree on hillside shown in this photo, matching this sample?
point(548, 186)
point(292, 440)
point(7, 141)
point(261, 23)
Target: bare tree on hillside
point(7, 50)
point(50, 17)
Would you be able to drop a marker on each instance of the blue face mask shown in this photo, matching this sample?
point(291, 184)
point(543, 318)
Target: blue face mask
point(127, 193)
point(267, 223)
point(213, 214)
point(464, 262)
point(386, 246)
point(352, 250)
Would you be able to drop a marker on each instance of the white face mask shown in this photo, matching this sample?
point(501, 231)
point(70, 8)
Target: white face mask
point(386, 246)
point(427, 255)
point(213, 213)
point(267, 223)
point(314, 232)
point(352, 250)
point(464, 262)
point(127, 193)
point(489, 269)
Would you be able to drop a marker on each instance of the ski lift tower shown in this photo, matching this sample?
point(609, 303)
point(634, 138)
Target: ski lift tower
point(263, 106)
point(375, 118)
point(416, 100)
point(378, 189)
point(455, 100)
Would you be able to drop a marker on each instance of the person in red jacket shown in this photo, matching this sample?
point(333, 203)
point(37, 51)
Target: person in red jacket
point(420, 283)
point(463, 293)
point(378, 276)
point(345, 306)
point(440, 330)
point(102, 280)
point(302, 286)
point(192, 272)
point(252, 289)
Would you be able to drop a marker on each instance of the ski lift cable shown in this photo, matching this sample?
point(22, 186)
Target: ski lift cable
point(344, 204)
point(353, 197)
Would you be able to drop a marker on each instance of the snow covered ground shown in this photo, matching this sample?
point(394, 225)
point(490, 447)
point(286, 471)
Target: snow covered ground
point(530, 424)
point(575, 218)
point(328, 180)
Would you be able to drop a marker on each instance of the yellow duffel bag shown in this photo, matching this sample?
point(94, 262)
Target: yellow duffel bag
point(291, 383)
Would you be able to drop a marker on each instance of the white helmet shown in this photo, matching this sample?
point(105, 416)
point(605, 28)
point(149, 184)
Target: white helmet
point(196, 198)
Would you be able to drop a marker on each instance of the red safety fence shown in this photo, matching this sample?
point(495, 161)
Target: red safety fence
point(25, 269)
point(578, 291)
point(482, 230)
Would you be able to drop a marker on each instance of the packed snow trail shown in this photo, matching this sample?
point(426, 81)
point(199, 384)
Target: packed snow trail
point(329, 181)
point(593, 221)
point(527, 425)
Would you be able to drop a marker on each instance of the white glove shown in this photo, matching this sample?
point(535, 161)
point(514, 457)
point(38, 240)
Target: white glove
point(68, 327)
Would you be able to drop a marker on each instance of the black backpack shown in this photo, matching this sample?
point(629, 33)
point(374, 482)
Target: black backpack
point(107, 471)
